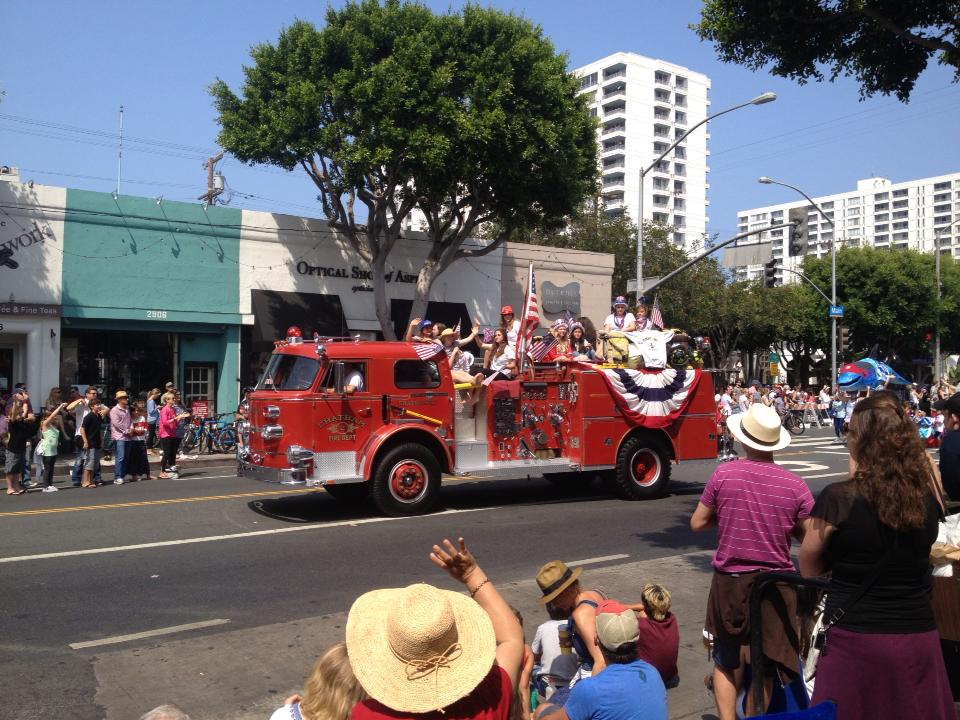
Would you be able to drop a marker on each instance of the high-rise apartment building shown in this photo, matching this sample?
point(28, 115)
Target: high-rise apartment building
point(643, 105)
point(879, 213)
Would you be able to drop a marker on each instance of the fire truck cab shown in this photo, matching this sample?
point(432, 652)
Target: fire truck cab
point(376, 419)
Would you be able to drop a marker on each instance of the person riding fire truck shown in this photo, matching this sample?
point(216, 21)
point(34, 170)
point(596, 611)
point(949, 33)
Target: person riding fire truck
point(385, 420)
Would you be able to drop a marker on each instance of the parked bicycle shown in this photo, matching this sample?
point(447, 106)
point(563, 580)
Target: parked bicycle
point(210, 435)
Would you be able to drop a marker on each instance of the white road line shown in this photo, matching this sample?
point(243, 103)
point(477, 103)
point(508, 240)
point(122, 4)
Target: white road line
point(146, 634)
point(594, 561)
point(833, 474)
point(234, 536)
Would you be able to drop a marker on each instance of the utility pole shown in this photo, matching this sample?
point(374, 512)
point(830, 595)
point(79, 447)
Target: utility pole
point(120, 152)
point(212, 191)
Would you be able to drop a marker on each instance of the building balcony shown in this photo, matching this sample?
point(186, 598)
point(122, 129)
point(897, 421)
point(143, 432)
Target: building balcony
point(614, 161)
point(618, 88)
point(612, 147)
point(615, 108)
point(614, 71)
point(613, 128)
point(615, 180)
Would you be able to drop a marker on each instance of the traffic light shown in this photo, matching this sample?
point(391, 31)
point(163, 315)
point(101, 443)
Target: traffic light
point(770, 273)
point(844, 340)
point(797, 240)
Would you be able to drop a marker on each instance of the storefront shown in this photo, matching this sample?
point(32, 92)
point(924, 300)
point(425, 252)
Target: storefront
point(150, 296)
point(31, 253)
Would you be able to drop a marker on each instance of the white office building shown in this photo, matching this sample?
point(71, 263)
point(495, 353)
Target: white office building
point(878, 213)
point(643, 105)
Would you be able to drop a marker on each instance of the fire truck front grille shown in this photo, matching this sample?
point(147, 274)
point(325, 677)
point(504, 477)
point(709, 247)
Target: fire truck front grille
point(335, 466)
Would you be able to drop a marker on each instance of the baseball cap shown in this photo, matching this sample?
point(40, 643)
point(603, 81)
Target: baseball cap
point(425, 323)
point(617, 629)
point(506, 310)
point(950, 404)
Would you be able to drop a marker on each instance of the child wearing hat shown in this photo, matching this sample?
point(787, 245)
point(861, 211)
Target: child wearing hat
point(620, 320)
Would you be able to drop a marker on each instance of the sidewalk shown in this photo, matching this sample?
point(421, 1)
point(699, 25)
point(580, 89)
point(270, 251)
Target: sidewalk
point(65, 462)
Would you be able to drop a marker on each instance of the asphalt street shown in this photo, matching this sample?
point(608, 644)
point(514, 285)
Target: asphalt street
point(216, 592)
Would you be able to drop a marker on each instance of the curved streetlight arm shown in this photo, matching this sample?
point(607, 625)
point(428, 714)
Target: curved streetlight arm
point(691, 129)
point(812, 283)
point(770, 181)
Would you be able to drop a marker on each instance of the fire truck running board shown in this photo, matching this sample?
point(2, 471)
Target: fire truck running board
point(472, 458)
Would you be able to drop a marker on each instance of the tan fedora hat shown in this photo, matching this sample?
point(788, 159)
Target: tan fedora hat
point(759, 428)
point(419, 649)
point(555, 577)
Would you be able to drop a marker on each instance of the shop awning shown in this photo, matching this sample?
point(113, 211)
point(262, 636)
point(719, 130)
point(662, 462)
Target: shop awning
point(275, 311)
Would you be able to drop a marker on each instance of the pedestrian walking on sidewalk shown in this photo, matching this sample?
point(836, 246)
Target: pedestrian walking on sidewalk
point(757, 506)
point(50, 443)
point(121, 423)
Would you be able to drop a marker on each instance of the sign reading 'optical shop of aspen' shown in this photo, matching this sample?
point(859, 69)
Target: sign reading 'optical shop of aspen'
point(556, 299)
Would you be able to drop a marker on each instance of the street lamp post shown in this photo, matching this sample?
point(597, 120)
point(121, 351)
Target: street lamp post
point(759, 100)
point(833, 271)
point(936, 262)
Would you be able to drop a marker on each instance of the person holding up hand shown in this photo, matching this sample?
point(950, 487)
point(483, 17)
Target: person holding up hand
point(50, 444)
point(420, 650)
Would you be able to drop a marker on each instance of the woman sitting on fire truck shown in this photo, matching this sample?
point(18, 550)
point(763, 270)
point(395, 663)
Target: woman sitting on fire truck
point(460, 363)
point(500, 356)
point(562, 348)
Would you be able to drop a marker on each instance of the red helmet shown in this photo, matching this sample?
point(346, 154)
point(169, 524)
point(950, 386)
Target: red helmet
point(506, 310)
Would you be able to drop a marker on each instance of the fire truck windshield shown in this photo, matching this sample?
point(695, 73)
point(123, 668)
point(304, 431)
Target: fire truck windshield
point(289, 372)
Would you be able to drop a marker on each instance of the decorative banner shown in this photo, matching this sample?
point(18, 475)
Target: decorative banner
point(651, 398)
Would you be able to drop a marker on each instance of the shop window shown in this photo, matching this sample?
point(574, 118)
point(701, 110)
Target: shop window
point(416, 374)
point(448, 313)
point(200, 388)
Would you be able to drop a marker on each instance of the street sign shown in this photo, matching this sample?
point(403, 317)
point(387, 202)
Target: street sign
point(647, 282)
point(836, 311)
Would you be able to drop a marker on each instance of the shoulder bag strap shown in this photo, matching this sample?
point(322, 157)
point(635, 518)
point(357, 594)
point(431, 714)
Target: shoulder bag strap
point(863, 588)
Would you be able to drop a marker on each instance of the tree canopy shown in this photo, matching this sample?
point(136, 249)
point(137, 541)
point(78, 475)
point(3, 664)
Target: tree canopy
point(885, 45)
point(469, 117)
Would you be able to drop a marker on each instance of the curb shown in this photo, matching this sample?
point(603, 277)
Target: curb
point(65, 463)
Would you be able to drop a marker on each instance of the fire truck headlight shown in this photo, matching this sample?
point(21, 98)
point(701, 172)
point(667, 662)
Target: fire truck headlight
point(271, 432)
point(298, 456)
point(271, 412)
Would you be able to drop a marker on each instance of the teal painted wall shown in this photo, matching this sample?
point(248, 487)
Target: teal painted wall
point(134, 259)
point(133, 264)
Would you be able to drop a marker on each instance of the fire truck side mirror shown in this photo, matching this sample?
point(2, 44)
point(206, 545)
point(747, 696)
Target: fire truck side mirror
point(338, 378)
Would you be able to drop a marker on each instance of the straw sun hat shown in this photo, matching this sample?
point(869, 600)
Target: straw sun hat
point(418, 649)
point(759, 428)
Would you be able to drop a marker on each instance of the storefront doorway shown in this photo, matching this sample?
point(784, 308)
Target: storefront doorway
point(6, 369)
point(200, 387)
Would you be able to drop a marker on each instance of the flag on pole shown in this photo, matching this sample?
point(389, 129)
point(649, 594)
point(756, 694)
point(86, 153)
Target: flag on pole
point(456, 328)
point(656, 315)
point(531, 318)
point(494, 376)
point(539, 350)
point(567, 318)
point(427, 351)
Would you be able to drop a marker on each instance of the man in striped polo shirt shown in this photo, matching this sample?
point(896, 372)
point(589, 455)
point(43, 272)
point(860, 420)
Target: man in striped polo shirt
point(757, 507)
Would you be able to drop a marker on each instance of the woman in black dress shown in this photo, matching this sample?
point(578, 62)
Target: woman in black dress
point(873, 533)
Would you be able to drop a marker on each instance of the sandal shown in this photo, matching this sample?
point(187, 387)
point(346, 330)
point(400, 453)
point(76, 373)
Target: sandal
point(16, 492)
point(87, 487)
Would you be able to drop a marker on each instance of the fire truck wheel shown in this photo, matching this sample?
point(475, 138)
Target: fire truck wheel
point(406, 481)
point(643, 469)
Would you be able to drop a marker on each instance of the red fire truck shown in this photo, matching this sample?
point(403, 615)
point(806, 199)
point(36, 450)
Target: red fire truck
point(395, 437)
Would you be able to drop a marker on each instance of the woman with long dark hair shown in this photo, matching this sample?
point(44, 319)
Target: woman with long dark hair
point(873, 533)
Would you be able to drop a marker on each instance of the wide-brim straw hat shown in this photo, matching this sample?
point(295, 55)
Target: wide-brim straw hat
point(555, 577)
point(759, 428)
point(419, 649)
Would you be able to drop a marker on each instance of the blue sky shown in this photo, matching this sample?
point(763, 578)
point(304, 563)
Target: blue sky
point(70, 65)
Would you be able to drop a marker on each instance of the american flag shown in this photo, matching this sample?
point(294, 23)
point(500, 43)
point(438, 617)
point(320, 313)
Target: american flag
point(427, 351)
point(539, 350)
point(656, 316)
point(531, 316)
point(456, 328)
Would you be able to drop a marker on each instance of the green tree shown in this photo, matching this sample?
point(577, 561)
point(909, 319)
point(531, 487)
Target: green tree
point(470, 117)
point(884, 45)
point(890, 299)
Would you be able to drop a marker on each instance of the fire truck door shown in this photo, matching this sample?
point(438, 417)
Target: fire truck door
point(342, 420)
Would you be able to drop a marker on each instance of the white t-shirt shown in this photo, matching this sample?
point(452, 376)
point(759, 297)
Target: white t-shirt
point(287, 712)
point(612, 321)
point(512, 332)
point(499, 362)
point(546, 644)
point(79, 413)
point(355, 378)
point(726, 403)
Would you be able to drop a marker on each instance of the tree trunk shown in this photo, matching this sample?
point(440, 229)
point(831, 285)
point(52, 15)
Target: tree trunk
point(378, 266)
point(421, 297)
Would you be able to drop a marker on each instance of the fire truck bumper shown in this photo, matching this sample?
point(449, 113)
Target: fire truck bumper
point(283, 476)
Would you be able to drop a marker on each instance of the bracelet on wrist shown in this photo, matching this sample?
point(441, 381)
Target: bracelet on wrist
point(473, 593)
